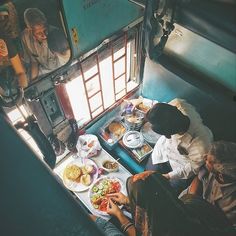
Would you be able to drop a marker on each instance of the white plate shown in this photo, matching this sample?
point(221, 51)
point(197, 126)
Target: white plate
point(133, 139)
point(75, 186)
point(96, 183)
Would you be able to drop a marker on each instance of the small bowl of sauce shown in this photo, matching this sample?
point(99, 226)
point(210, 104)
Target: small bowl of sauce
point(110, 166)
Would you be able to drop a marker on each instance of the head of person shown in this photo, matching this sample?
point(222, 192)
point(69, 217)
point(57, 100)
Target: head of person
point(221, 160)
point(157, 210)
point(58, 44)
point(167, 120)
point(36, 21)
point(148, 193)
point(4, 16)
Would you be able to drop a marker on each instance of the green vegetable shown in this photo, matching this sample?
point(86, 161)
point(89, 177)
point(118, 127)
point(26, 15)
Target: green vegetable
point(95, 189)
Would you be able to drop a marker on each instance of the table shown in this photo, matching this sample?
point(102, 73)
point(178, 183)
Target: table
point(122, 174)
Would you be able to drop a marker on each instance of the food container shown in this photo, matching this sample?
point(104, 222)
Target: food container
point(133, 139)
point(135, 120)
point(112, 132)
point(143, 108)
point(110, 166)
point(142, 152)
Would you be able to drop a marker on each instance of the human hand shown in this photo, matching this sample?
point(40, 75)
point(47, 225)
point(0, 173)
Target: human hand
point(3, 48)
point(120, 198)
point(142, 175)
point(22, 80)
point(167, 176)
point(113, 209)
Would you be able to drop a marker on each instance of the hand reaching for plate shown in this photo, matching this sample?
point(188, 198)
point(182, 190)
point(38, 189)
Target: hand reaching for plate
point(119, 198)
point(113, 209)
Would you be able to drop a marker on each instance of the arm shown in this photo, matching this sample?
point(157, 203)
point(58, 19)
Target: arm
point(184, 172)
point(119, 198)
point(16, 63)
point(34, 70)
point(27, 55)
point(20, 71)
point(196, 187)
point(192, 160)
point(114, 210)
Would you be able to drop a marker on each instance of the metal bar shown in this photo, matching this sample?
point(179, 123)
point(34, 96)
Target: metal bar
point(126, 40)
point(113, 71)
point(86, 92)
point(120, 76)
point(120, 91)
point(100, 82)
point(87, 80)
point(96, 108)
point(119, 58)
point(94, 94)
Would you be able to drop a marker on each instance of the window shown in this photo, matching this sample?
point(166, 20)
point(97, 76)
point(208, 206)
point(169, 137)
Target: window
point(17, 114)
point(104, 78)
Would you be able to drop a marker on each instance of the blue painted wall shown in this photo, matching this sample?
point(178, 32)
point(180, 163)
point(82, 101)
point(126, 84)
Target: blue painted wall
point(209, 80)
point(96, 20)
point(218, 112)
point(204, 56)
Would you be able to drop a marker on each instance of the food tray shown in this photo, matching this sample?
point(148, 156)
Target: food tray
point(142, 152)
point(112, 132)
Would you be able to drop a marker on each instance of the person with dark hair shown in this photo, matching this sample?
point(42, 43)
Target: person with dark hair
point(58, 44)
point(10, 61)
point(156, 210)
point(179, 152)
point(34, 41)
point(216, 181)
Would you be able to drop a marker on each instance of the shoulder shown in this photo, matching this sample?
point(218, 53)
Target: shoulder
point(26, 34)
point(185, 107)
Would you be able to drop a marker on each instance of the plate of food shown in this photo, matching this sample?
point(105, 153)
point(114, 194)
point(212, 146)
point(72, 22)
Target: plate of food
point(78, 176)
point(99, 190)
point(142, 152)
point(112, 132)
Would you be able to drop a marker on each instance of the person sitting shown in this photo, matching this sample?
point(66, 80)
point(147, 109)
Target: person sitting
point(35, 46)
point(179, 152)
point(58, 44)
point(156, 210)
point(216, 181)
point(10, 61)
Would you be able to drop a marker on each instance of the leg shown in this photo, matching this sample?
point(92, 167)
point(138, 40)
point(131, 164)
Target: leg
point(107, 227)
point(179, 185)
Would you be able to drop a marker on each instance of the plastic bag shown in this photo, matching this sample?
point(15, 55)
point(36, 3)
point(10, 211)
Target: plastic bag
point(88, 145)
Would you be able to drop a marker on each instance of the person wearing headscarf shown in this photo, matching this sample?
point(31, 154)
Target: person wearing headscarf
point(10, 61)
point(35, 45)
point(216, 181)
point(178, 153)
point(157, 211)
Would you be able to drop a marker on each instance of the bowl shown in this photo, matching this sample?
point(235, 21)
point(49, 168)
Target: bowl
point(133, 139)
point(110, 166)
point(134, 121)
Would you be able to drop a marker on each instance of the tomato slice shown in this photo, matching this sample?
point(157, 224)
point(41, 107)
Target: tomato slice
point(116, 186)
point(103, 205)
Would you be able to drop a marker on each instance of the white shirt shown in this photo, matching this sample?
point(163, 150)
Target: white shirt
point(38, 52)
point(196, 141)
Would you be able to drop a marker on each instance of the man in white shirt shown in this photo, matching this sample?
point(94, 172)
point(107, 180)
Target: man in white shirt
point(179, 152)
point(216, 181)
point(35, 45)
